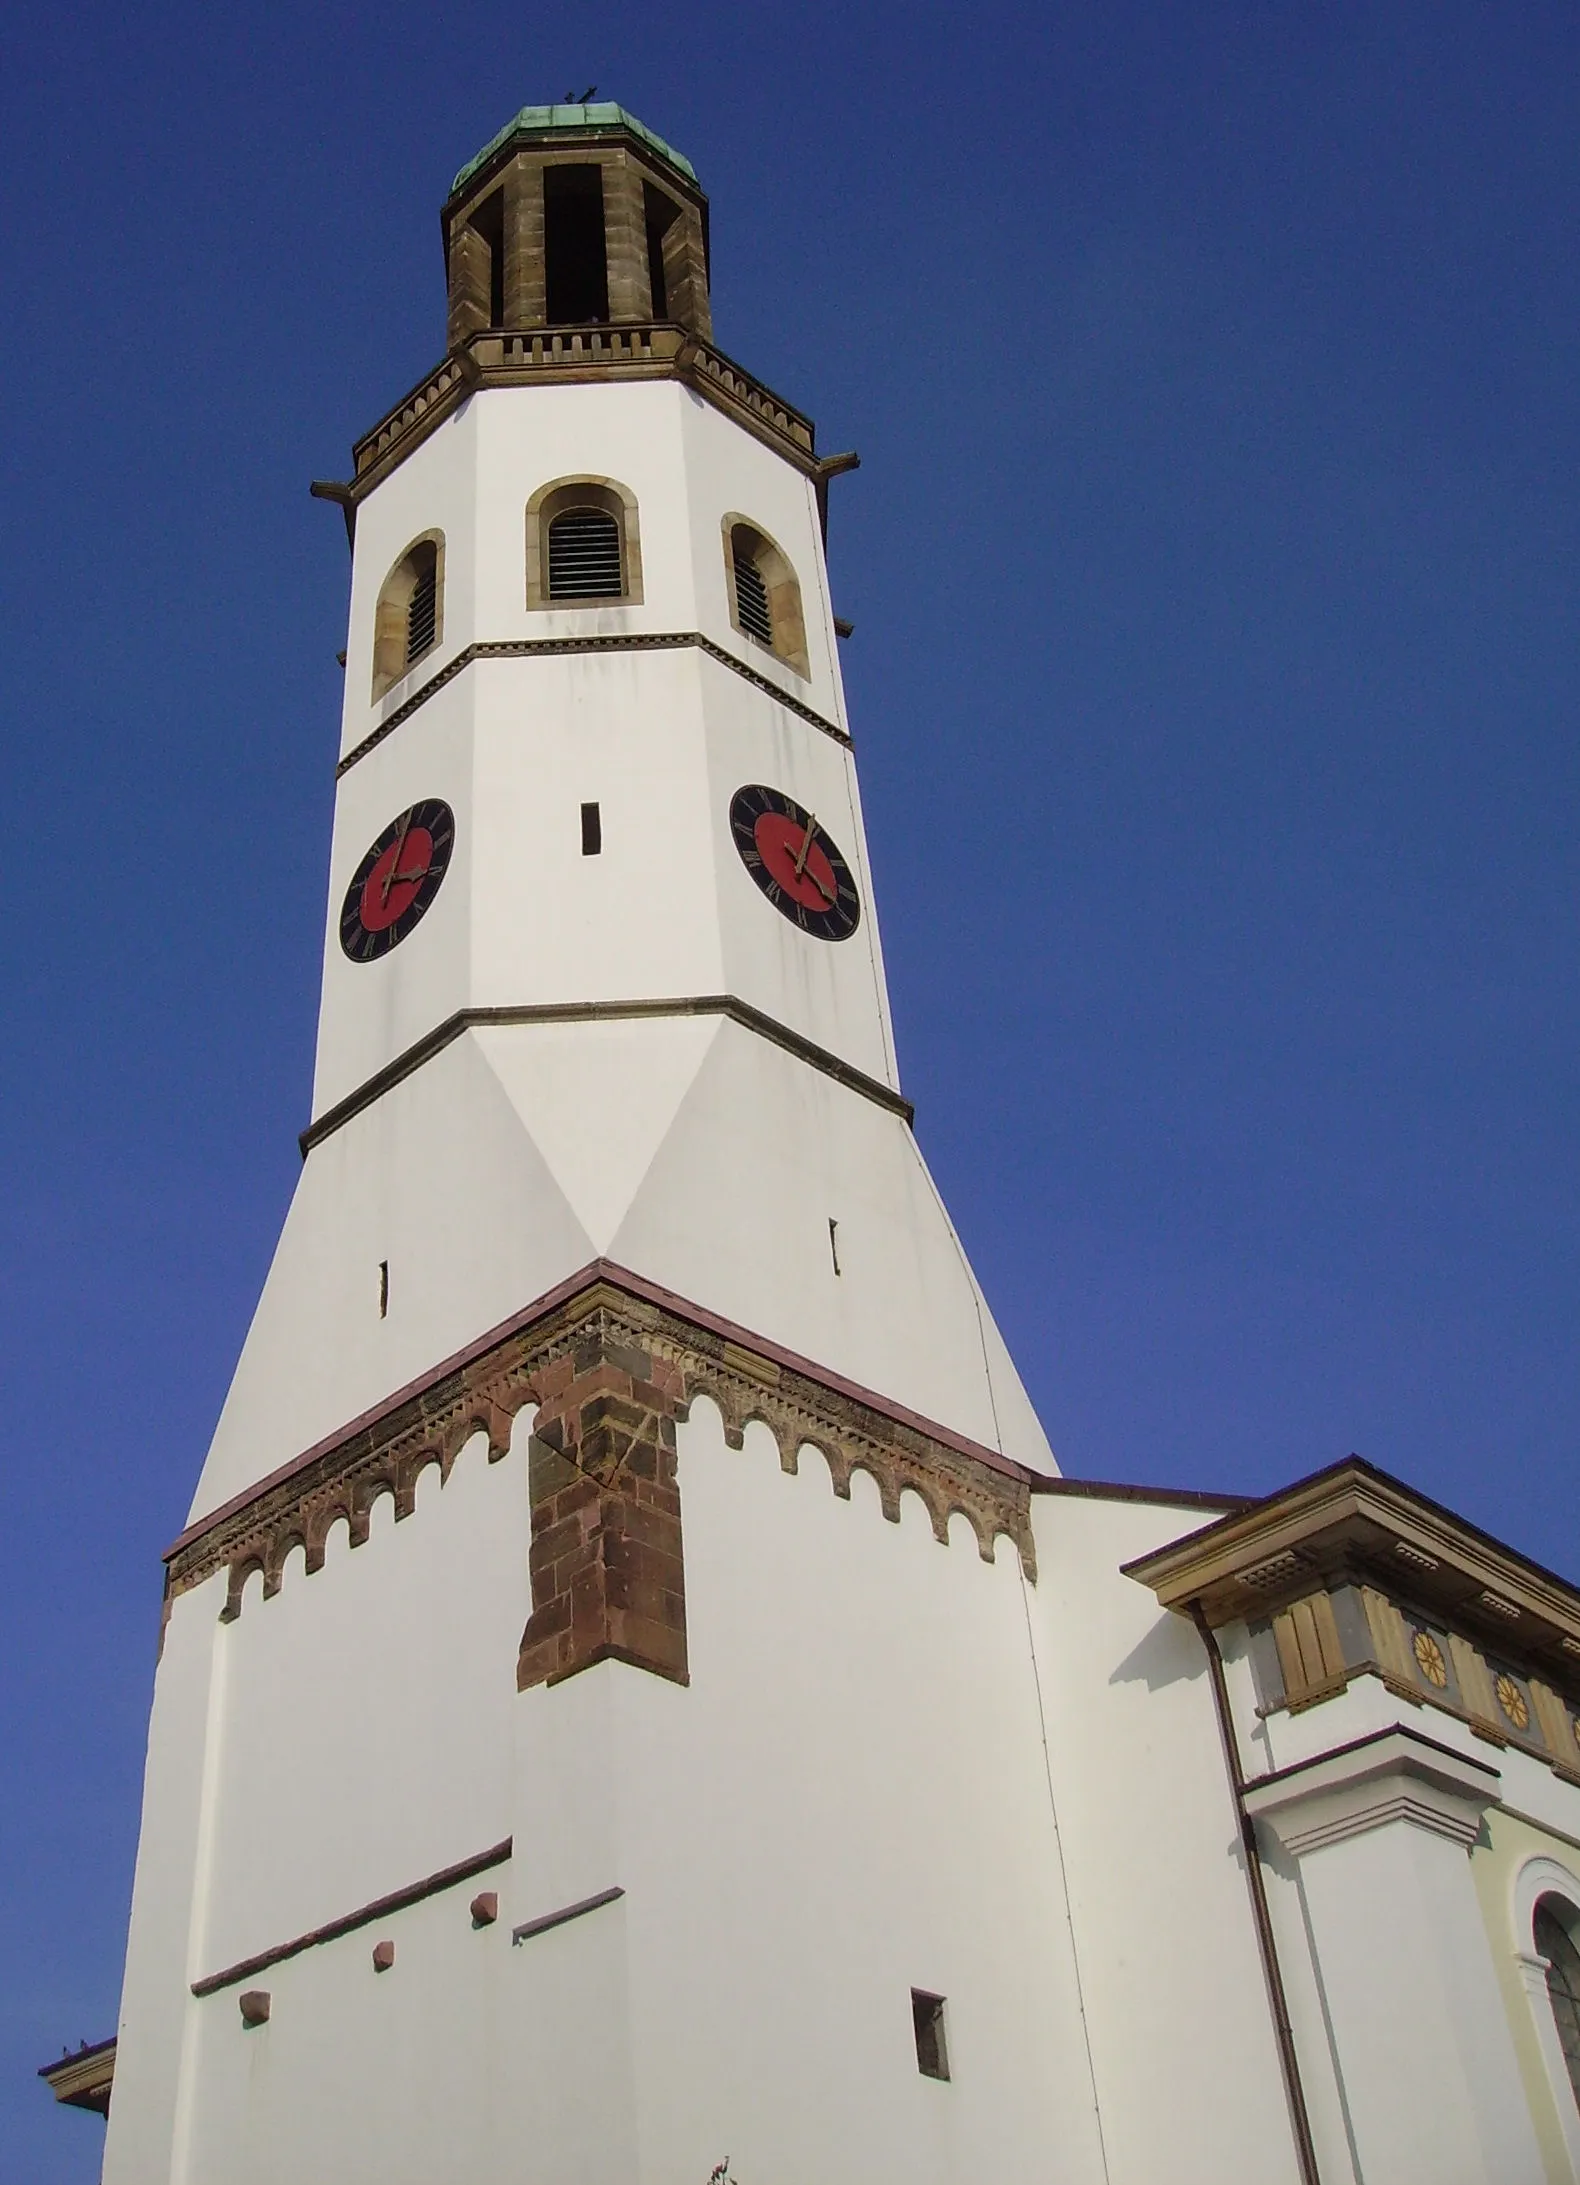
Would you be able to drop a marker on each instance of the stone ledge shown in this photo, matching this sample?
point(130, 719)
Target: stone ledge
point(575, 355)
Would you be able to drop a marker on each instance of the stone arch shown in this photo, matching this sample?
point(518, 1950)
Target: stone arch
point(764, 592)
point(593, 496)
point(408, 619)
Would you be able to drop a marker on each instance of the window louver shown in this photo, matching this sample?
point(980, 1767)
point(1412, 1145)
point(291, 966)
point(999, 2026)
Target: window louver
point(584, 556)
point(751, 599)
point(422, 614)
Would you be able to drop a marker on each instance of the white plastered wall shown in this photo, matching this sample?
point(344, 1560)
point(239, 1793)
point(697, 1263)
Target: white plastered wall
point(330, 1745)
point(1183, 2053)
point(482, 1180)
point(852, 1798)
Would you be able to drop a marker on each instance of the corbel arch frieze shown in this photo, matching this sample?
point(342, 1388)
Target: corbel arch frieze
point(608, 1374)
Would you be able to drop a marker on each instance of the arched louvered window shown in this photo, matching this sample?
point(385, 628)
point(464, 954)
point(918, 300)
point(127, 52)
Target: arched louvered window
point(1555, 1943)
point(751, 595)
point(765, 599)
point(584, 555)
point(409, 618)
point(422, 614)
point(583, 544)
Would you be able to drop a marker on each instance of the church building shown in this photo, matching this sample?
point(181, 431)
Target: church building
point(638, 1703)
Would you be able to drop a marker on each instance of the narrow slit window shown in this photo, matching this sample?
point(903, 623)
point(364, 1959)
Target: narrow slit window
point(927, 2018)
point(592, 831)
point(584, 555)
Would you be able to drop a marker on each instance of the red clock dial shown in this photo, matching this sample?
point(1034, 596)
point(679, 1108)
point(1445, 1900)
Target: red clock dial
point(796, 859)
point(397, 880)
point(795, 862)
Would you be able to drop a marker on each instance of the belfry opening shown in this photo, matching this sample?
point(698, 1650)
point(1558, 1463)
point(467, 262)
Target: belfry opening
point(576, 216)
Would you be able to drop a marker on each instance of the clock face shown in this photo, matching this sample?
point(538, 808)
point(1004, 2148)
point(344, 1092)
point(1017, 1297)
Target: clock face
point(397, 880)
point(795, 863)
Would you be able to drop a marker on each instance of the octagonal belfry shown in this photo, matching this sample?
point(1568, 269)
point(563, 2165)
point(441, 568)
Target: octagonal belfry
point(576, 216)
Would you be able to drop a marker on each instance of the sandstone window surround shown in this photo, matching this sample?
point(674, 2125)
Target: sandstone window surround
point(408, 621)
point(764, 593)
point(1545, 1914)
point(552, 561)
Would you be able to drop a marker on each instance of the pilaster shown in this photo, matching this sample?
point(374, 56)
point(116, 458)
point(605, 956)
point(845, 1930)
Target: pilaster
point(686, 275)
point(625, 237)
point(1380, 1833)
point(526, 293)
point(468, 285)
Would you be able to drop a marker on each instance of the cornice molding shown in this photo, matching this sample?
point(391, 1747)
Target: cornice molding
point(602, 1012)
point(1394, 1775)
point(568, 356)
point(608, 1309)
point(83, 2079)
point(1353, 1519)
point(527, 648)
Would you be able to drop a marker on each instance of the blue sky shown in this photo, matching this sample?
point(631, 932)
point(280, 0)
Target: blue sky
point(1213, 564)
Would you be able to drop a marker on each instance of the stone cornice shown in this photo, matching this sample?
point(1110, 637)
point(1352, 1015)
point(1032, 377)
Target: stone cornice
point(1353, 1520)
point(529, 648)
point(563, 356)
point(606, 1307)
point(83, 2079)
point(602, 1012)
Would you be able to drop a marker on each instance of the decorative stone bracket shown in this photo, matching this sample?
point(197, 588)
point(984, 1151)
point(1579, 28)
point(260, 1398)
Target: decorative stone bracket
point(611, 1363)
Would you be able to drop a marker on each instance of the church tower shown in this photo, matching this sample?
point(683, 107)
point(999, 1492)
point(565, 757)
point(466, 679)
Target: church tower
point(544, 1700)
point(637, 1704)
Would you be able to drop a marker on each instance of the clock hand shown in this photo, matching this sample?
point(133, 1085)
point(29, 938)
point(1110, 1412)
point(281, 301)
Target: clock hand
point(800, 863)
point(400, 852)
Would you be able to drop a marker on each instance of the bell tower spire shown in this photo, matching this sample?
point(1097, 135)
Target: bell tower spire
point(606, 1123)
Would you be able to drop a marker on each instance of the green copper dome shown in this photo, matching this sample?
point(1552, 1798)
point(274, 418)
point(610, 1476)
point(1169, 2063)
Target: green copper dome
point(537, 121)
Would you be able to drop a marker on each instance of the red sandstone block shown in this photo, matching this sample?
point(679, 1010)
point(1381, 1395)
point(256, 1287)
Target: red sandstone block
point(554, 1541)
point(549, 1617)
point(651, 1645)
point(638, 1364)
point(652, 1528)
